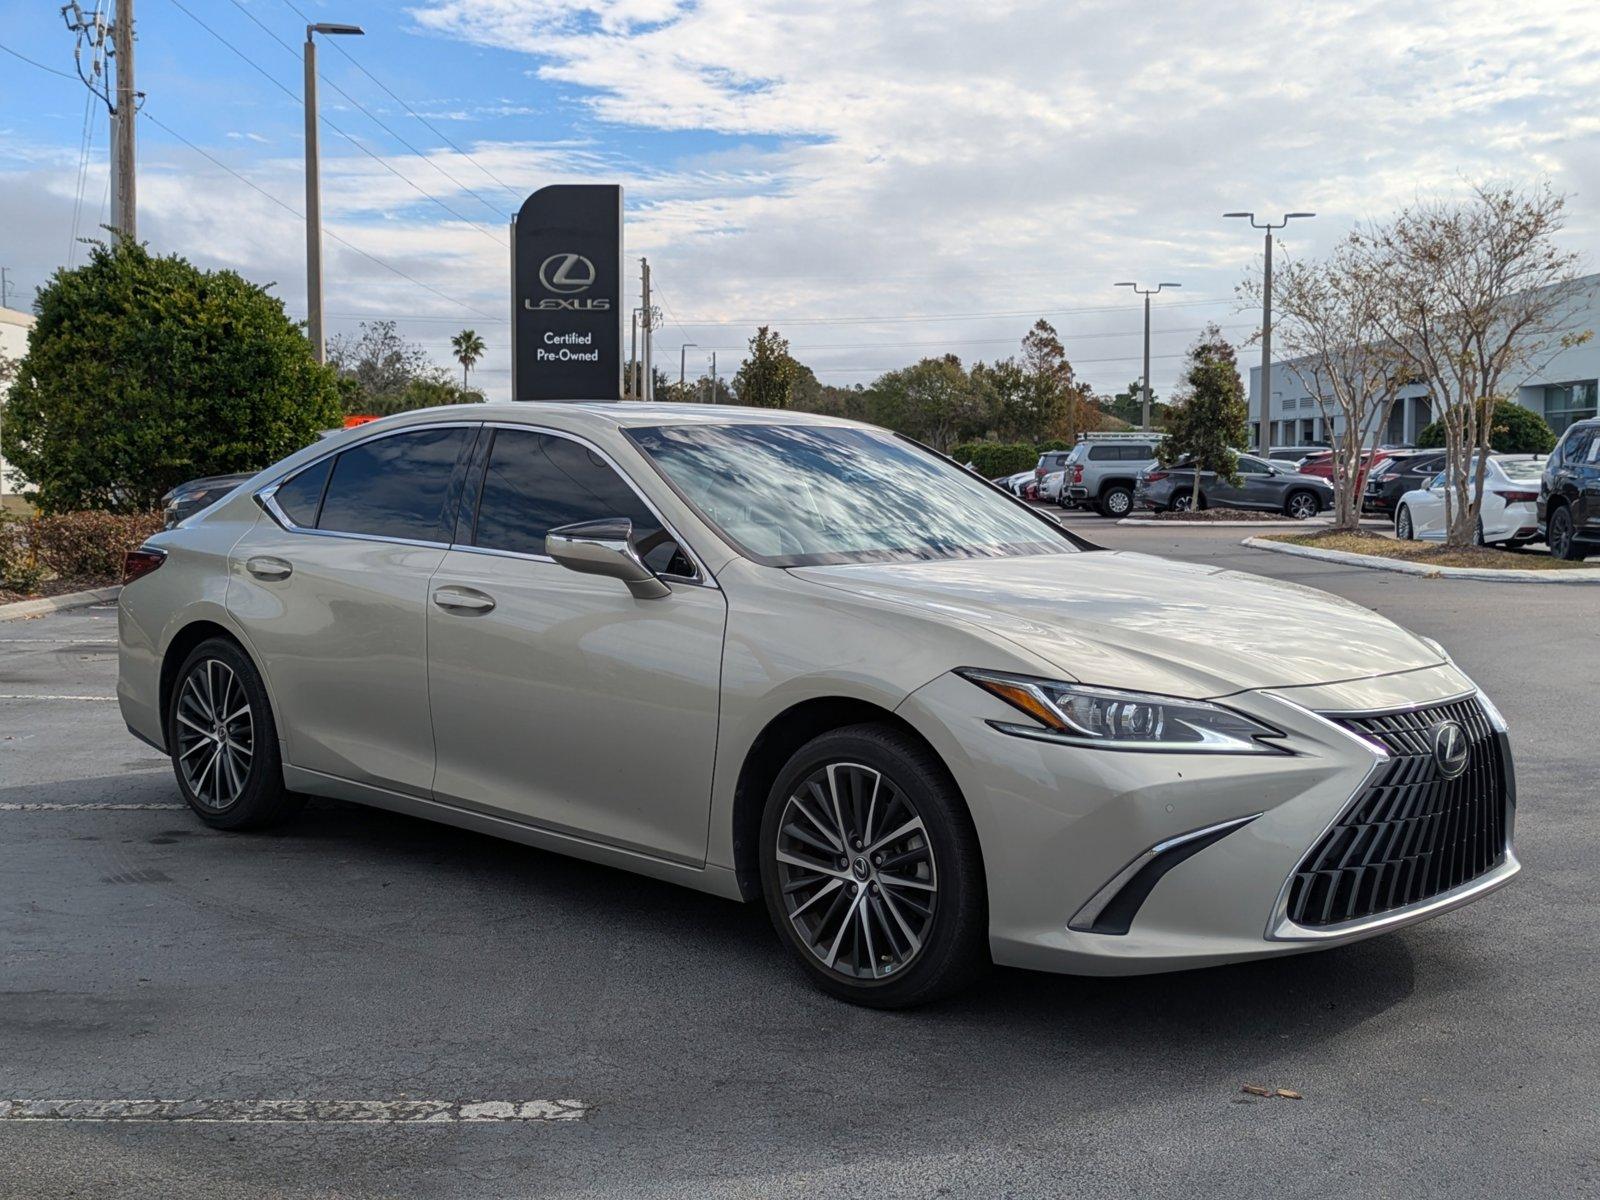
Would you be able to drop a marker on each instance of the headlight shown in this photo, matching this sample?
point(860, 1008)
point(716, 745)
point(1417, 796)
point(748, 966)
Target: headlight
point(1110, 719)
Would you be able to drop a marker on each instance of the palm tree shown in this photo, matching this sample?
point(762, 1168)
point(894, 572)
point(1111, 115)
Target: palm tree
point(469, 349)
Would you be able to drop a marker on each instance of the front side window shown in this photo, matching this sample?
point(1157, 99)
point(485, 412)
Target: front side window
point(535, 482)
point(800, 495)
point(396, 486)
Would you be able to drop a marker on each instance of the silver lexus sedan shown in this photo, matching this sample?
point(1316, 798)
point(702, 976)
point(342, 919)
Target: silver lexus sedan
point(784, 657)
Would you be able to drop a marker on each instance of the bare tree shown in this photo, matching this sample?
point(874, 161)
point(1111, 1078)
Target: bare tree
point(1477, 297)
point(1330, 328)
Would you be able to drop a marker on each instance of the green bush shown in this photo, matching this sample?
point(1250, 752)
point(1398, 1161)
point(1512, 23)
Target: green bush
point(1517, 430)
point(994, 459)
point(145, 372)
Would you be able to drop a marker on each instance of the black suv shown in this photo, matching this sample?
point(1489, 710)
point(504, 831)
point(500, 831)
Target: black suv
point(1569, 493)
point(1397, 475)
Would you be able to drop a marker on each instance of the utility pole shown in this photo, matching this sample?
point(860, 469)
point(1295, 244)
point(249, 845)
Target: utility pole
point(683, 351)
point(5, 288)
point(648, 323)
point(714, 377)
point(314, 328)
point(125, 210)
point(1266, 322)
point(1147, 293)
point(633, 359)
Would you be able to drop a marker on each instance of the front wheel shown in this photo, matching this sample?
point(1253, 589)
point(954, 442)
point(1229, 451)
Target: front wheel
point(1402, 525)
point(1302, 506)
point(871, 869)
point(223, 741)
point(1562, 536)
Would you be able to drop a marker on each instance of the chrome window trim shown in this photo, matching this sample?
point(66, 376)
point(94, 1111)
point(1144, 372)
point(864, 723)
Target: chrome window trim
point(1281, 929)
point(264, 496)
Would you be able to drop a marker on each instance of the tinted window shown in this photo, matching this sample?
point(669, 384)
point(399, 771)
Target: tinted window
point(1252, 466)
point(1101, 453)
point(536, 483)
point(300, 495)
point(396, 486)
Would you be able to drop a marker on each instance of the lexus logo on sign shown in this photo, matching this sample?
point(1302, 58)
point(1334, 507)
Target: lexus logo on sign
point(567, 273)
point(1450, 748)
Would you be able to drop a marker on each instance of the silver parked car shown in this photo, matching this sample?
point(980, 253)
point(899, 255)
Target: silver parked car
point(921, 722)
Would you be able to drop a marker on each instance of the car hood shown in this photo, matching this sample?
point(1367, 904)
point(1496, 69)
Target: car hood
point(1130, 620)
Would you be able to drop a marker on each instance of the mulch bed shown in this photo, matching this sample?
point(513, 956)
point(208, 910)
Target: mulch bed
point(1215, 514)
point(1380, 546)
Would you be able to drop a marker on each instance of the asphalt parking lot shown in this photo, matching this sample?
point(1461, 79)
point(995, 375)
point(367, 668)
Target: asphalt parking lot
point(359, 955)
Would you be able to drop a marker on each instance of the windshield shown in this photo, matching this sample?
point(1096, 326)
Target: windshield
point(801, 495)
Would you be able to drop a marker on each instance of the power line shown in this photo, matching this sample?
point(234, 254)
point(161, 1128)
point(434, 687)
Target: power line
point(289, 208)
point(40, 65)
point(928, 317)
point(382, 162)
point(363, 108)
point(512, 192)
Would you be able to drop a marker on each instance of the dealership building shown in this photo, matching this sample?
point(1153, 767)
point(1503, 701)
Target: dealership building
point(1562, 389)
point(14, 328)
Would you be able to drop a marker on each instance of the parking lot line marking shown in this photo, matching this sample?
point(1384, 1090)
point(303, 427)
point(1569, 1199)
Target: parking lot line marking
point(257, 1112)
point(34, 696)
point(90, 807)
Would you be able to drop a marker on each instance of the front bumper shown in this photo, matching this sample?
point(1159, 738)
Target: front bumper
point(1064, 830)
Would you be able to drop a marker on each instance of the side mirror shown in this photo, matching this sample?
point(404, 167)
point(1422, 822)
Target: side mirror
point(605, 548)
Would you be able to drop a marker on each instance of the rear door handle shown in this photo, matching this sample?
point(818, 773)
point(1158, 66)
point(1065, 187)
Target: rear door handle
point(267, 567)
point(463, 599)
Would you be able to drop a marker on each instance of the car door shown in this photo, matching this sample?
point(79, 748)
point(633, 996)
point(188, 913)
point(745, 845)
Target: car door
point(1254, 489)
point(1586, 483)
point(1427, 509)
point(331, 590)
point(559, 698)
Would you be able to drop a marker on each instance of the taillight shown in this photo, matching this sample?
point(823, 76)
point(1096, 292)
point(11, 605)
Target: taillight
point(1077, 473)
point(1155, 476)
point(136, 564)
point(1516, 497)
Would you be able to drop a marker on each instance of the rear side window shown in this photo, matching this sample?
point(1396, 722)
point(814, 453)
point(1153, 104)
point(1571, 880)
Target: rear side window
point(396, 486)
point(300, 495)
point(1103, 453)
point(536, 482)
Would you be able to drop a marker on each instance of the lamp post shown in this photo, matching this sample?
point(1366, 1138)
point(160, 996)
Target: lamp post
point(1266, 315)
point(1144, 422)
point(683, 350)
point(314, 328)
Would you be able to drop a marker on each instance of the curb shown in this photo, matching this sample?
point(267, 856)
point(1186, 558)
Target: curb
point(50, 604)
point(1400, 566)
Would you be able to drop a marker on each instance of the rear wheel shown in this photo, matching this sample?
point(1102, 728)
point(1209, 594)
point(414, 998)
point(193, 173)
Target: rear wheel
point(1562, 536)
point(1182, 501)
point(1402, 524)
point(223, 741)
point(1116, 501)
point(871, 870)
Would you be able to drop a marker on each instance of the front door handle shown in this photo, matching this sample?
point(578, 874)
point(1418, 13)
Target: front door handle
point(463, 599)
point(266, 567)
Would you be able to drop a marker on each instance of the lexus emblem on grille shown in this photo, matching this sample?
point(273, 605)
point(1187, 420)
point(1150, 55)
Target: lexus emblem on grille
point(567, 273)
point(1450, 748)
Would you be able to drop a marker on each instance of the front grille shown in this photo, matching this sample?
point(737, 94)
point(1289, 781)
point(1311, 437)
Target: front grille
point(1412, 833)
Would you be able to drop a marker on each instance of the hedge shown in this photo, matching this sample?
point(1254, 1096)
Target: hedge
point(994, 459)
point(1517, 430)
point(75, 545)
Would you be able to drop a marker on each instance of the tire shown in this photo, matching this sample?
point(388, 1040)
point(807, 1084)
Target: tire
point(882, 945)
point(1403, 529)
point(1302, 506)
point(239, 782)
point(1180, 502)
point(1116, 502)
point(1561, 537)
point(1477, 534)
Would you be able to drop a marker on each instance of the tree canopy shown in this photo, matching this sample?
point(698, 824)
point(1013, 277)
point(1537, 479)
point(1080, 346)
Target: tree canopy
point(1211, 415)
point(767, 376)
point(144, 372)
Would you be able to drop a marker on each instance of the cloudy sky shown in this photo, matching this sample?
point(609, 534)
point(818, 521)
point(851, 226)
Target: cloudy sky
point(880, 180)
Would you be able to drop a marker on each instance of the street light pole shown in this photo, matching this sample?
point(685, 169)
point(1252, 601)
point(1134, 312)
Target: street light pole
point(314, 329)
point(1144, 422)
point(682, 352)
point(1266, 320)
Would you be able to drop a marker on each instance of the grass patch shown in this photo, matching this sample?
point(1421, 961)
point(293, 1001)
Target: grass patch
point(1428, 553)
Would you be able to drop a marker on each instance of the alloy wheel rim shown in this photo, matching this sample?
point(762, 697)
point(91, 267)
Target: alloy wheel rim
point(1118, 503)
point(1302, 508)
point(1559, 536)
point(1405, 526)
point(856, 871)
point(216, 734)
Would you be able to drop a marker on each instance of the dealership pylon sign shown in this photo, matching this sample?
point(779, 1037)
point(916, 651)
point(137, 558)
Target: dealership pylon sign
point(566, 294)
